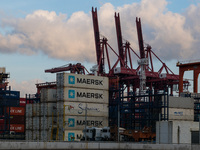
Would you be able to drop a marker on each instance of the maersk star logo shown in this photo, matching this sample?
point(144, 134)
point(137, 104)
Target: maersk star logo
point(71, 93)
point(71, 80)
point(71, 136)
point(71, 122)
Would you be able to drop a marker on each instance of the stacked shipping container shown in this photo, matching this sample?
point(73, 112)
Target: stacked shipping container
point(75, 94)
point(41, 117)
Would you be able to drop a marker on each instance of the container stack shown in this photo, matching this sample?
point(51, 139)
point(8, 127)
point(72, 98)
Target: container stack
point(48, 114)
point(82, 100)
point(41, 117)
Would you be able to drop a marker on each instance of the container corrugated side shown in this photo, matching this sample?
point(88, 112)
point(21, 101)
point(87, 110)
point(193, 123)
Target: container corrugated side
point(48, 109)
point(29, 135)
point(73, 135)
point(29, 123)
point(16, 120)
point(36, 109)
point(36, 135)
point(181, 102)
point(181, 114)
point(79, 122)
point(82, 81)
point(83, 95)
point(29, 110)
point(48, 95)
point(93, 109)
point(47, 122)
point(36, 123)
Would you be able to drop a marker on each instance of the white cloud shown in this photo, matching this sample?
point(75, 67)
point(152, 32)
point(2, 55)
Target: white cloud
point(25, 87)
point(171, 35)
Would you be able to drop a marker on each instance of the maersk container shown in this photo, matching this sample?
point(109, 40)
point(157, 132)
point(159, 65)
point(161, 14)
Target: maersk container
point(29, 123)
point(79, 122)
point(82, 95)
point(29, 110)
point(18, 111)
point(79, 109)
point(181, 114)
point(73, 135)
point(82, 81)
point(36, 123)
point(29, 135)
point(48, 95)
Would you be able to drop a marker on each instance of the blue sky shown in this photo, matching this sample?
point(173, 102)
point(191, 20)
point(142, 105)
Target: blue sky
point(26, 57)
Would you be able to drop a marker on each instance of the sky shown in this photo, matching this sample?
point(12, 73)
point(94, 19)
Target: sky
point(41, 34)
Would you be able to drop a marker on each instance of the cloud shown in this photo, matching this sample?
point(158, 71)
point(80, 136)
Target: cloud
point(25, 87)
point(171, 35)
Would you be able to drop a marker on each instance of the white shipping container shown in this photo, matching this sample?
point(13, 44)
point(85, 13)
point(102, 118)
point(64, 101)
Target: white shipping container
point(79, 122)
point(73, 135)
point(29, 135)
point(36, 109)
point(81, 81)
point(78, 109)
point(48, 95)
point(48, 109)
point(36, 135)
point(181, 114)
point(46, 135)
point(29, 123)
point(83, 95)
point(29, 111)
point(36, 123)
point(47, 122)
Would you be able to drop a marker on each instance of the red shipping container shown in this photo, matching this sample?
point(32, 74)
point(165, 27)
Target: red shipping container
point(22, 102)
point(18, 111)
point(17, 127)
point(16, 120)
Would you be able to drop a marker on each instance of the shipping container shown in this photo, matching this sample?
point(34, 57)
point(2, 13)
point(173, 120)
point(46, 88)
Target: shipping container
point(82, 95)
point(22, 102)
point(29, 135)
point(81, 81)
point(17, 127)
point(36, 109)
point(48, 95)
point(180, 114)
point(36, 123)
point(16, 120)
point(47, 122)
point(36, 135)
point(48, 109)
point(73, 135)
point(181, 102)
point(29, 110)
point(18, 111)
point(29, 123)
point(9, 102)
point(78, 109)
point(79, 122)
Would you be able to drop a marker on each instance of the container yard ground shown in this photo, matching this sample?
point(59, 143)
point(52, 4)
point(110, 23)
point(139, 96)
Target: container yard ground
point(93, 146)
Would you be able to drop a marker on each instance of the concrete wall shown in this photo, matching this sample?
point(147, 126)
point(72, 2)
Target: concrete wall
point(94, 146)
